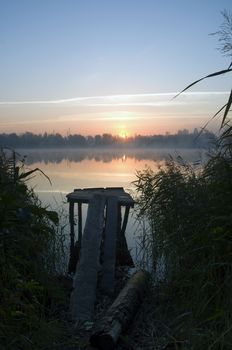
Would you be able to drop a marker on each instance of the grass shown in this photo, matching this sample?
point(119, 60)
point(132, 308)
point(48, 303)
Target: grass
point(189, 214)
point(33, 301)
point(189, 211)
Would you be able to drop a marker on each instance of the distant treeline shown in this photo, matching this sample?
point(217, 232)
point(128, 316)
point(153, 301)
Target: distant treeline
point(182, 139)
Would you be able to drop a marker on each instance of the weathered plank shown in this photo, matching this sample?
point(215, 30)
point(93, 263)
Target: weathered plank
point(109, 246)
point(85, 281)
point(86, 194)
point(118, 317)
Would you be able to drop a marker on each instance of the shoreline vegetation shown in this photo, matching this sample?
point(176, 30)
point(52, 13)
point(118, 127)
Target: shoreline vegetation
point(188, 208)
point(182, 139)
point(32, 290)
point(189, 213)
point(190, 224)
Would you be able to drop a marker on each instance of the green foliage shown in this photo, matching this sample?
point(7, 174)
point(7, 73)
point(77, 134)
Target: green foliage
point(29, 292)
point(189, 212)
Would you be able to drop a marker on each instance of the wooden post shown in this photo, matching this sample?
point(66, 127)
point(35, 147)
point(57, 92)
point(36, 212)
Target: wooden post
point(123, 257)
point(75, 247)
point(71, 264)
point(79, 224)
point(125, 220)
point(71, 221)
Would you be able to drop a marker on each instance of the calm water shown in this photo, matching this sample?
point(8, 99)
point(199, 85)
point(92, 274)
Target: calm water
point(70, 169)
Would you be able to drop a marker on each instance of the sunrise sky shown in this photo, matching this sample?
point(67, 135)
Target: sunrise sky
point(99, 66)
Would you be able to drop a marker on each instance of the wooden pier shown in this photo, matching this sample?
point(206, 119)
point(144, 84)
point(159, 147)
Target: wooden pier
point(98, 248)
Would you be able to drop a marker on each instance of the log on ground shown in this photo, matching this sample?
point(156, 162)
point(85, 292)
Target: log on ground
point(118, 317)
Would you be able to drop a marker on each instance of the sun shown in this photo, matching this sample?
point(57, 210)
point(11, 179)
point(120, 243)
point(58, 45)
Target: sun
point(123, 134)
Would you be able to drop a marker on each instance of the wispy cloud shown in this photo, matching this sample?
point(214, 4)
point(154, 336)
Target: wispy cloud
point(26, 122)
point(150, 99)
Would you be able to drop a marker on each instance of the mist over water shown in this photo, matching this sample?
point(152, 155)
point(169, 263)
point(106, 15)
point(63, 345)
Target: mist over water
point(107, 155)
point(80, 168)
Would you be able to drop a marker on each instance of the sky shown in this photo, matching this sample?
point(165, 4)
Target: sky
point(107, 66)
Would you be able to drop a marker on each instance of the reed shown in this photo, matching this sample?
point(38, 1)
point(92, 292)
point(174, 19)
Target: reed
point(189, 214)
point(30, 249)
point(188, 209)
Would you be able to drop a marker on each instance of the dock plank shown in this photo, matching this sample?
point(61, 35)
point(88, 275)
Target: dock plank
point(109, 246)
point(86, 194)
point(85, 281)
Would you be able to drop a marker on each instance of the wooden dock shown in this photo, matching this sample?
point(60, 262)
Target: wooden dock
point(94, 252)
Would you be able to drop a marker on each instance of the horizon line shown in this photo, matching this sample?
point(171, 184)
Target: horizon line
point(127, 135)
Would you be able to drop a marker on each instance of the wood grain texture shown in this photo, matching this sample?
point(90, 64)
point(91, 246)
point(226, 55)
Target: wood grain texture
point(119, 316)
point(85, 280)
point(109, 246)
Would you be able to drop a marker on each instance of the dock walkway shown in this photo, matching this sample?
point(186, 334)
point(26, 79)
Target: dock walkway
point(95, 249)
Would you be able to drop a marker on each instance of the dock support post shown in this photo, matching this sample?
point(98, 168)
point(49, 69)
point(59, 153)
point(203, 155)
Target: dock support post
point(71, 221)
point(71, 264)
point(125, 220)
point(79, 224)
point(123, 257)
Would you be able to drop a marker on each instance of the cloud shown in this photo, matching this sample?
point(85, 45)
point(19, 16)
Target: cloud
point(150, 99)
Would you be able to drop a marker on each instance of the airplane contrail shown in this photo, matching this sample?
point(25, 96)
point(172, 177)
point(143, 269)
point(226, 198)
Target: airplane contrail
point(127, 99)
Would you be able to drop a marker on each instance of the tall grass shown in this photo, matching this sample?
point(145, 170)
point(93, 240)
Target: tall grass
point(29, 251)
point(189, 211)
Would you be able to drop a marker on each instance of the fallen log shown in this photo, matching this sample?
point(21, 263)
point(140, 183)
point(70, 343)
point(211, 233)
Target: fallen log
point(118, 317)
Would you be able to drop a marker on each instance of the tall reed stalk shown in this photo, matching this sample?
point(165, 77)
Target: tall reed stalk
point(189, 211)
point(29, 248)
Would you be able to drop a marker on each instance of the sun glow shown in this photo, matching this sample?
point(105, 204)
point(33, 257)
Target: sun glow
point(123, 134)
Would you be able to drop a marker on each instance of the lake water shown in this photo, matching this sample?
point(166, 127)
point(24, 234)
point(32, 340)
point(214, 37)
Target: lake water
point(71, 168)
